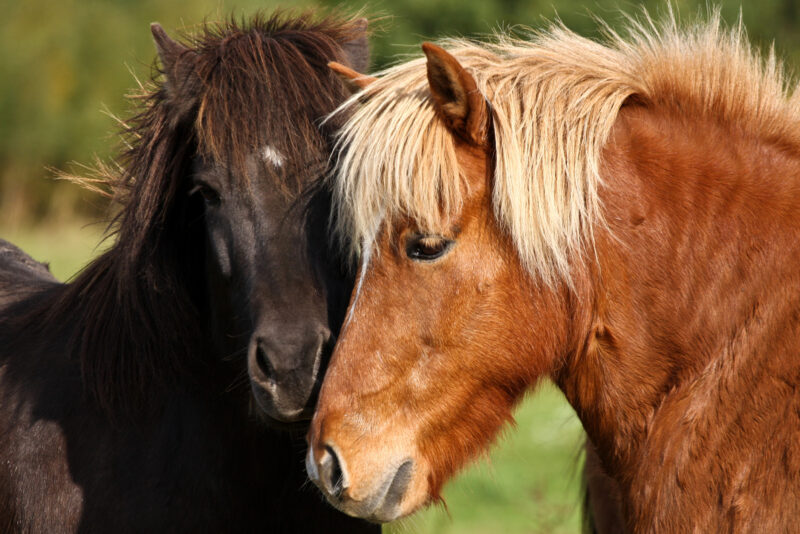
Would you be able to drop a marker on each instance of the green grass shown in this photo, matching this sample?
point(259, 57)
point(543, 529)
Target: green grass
point(528, 483)
point(66, 247)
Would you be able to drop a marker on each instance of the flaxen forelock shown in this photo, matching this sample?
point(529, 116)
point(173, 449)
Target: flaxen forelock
point(555, 98)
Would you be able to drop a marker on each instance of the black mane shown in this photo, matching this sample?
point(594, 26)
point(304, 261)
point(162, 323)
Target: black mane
point(138, 310)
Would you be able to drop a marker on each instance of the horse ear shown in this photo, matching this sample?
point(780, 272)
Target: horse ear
point(355, 81)
point(356, 51)
point(457, 96)
point(168, 50)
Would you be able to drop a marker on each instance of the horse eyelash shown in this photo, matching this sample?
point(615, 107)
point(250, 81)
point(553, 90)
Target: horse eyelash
point(431, 240)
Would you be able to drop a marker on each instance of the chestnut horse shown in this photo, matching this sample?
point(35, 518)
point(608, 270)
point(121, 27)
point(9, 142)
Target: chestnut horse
point(142, 396)
point(622, 218)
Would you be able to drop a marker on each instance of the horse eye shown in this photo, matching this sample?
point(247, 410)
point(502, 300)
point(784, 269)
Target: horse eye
point(210, 196)
point(427, 247)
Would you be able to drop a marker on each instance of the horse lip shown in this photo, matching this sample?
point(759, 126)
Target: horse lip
point(290, 420)
point(389, 507)
point(292, 415)
point(376, 508)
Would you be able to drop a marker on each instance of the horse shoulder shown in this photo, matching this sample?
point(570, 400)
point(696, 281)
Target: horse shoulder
point(700, 301)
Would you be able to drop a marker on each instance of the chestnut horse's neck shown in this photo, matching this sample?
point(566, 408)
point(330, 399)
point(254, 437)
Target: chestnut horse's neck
point(687, 379)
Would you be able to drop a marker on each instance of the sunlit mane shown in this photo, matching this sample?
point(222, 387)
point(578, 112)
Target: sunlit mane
point(554, 99)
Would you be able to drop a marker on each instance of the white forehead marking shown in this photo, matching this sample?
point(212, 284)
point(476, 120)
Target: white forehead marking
point(268, 153)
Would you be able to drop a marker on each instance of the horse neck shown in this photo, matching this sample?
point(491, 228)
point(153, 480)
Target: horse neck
point(138, 325)
point(692, 317)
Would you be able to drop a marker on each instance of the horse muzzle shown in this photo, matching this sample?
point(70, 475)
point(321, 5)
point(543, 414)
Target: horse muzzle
point(382, 504)
point(284, 377)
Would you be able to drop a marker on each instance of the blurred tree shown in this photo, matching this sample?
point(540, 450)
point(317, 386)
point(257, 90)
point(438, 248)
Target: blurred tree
point(61, 63)
point(406, 23)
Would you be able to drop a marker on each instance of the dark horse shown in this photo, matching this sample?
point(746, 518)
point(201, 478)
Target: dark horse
point(124, 399)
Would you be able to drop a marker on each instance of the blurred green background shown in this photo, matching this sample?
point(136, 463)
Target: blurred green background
point(64, 66)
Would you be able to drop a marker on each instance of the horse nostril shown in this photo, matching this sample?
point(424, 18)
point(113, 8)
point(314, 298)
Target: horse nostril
point(331, 473)
point(262, 360)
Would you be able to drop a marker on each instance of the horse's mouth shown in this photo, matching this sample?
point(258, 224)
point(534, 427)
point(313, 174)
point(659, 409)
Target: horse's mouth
point(264, 396)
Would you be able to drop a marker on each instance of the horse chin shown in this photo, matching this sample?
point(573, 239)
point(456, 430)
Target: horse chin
point(295, 420)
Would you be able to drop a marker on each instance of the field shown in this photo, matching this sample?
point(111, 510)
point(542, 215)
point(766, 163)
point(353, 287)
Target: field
point(65, 246)
point(528, 483)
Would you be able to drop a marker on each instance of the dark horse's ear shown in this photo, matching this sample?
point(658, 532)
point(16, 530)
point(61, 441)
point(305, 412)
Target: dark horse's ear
point(173, 56)
point(456, 95)
point(356, 51)
point(355, 81)
point(168, 50)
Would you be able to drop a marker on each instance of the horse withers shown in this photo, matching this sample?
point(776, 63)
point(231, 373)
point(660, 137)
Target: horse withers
point(619, 217)
point(140, 396)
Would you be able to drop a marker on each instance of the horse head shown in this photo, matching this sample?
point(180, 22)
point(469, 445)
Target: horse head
point(277, 288)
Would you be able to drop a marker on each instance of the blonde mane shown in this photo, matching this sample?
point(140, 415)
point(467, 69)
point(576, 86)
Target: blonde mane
point(554, 100)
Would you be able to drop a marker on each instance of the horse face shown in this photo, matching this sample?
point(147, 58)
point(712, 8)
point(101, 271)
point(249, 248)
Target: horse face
point(275, 293)
point(273, 277)
point(424, 373)
point(437, 346)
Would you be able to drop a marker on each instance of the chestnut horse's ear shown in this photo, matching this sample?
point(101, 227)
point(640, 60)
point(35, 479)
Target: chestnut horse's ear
point(356, 50)
point(354, 81)
point(457, 96)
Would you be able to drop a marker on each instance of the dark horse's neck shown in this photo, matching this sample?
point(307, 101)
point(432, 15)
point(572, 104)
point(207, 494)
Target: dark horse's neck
point(136, 319)
point(686, 378)
point(139, 314)
point(179, 454)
